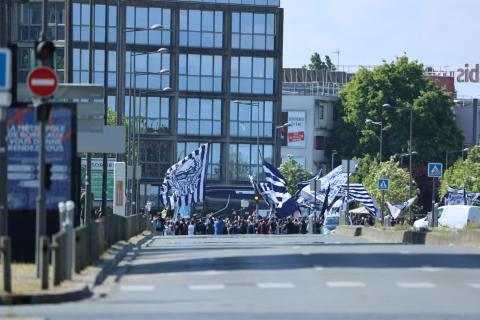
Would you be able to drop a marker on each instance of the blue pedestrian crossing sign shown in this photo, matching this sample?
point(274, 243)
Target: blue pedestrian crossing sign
point(5, 77)
point(435, 169)
point(383, 184)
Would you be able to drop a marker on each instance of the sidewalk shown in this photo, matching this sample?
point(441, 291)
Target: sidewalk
point(26, 287)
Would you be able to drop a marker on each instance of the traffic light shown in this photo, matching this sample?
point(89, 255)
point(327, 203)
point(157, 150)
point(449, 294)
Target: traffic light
point(48, 176)
point(44, 52)
point(257, 197)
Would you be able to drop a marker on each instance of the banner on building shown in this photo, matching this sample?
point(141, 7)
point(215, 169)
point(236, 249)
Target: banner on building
point(296, 130)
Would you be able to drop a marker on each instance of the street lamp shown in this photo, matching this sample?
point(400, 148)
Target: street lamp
point(450, 152)
point(334, 152)
point(410, 191)
point(403, 155)
point(379, 123)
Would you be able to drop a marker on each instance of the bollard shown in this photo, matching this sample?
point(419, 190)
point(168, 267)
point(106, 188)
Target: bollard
point(6, 261)
point(61, 214)
point(70, 207)
point(44, 257)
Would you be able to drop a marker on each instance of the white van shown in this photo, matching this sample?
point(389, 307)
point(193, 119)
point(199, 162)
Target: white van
point(458, 216)
point(455, 217)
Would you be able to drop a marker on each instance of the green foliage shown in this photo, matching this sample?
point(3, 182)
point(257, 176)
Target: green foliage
point(398, 191)
point(400, 83)
point(467, 171)
point(293, 173)
point(316, 63)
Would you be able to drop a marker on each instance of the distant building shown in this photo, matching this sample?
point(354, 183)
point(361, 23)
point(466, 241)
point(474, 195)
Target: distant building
point(467, 116)
point(308, 102)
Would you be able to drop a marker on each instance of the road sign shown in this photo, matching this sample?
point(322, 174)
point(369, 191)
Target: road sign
point(5, 77)
point(353, 165)
point(435, 170)
point(383, 184)
point(42, 82)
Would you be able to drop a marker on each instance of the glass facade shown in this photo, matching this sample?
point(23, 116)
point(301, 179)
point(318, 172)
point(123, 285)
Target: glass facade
point(140, 19)
point(154, 158)
point(252, 75)
point(200, 73)
point(201, 28)
point(244, 159)
point(146, 68)
point(199, 117)
point(253, 31)
point(251, 119)
point(30, 21)
point(153, 114)
point(214, 165)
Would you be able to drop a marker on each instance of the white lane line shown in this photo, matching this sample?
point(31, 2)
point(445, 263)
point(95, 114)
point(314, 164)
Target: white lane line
point(474, 285)
point(319, 268)
point(346, 284)
point(404, 252)
point(296, 247)
point(207, 287)
point(416, 285)
point(137, 288)
point(430, 269)
point(306, 253)
point(275, 285)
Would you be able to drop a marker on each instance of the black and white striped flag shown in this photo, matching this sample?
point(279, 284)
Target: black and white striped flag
point(285, 204)
point(358, 193)
point(184, 182)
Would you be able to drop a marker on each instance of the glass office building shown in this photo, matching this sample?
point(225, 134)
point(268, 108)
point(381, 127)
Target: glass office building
point(182, 73)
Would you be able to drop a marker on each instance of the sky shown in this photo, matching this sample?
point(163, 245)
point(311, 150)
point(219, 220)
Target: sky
point(440, 33)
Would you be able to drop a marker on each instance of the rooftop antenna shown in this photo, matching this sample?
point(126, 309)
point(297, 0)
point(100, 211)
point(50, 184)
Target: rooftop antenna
point(338, 58)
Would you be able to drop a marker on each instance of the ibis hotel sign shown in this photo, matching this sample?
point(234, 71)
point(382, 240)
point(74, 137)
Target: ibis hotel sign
point(468, 74)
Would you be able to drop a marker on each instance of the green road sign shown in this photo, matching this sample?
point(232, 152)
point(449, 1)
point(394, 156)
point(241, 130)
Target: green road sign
point(97, 172)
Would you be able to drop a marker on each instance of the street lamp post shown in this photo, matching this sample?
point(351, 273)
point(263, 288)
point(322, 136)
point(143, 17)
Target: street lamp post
point(410, 152)
point(379, 123)
point(334, 152)
point(464, 182)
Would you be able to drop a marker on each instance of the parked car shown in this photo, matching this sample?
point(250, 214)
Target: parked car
point(330, 224)
point(456, 217)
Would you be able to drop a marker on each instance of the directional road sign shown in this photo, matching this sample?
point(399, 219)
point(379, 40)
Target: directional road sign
point(5, 77)
point(383, 184)
point(435, 169)
point(42, 82)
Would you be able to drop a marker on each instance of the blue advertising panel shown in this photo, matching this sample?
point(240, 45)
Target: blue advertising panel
point(23, 147)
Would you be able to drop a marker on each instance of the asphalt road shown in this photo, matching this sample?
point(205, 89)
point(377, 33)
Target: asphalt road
point(281, 277)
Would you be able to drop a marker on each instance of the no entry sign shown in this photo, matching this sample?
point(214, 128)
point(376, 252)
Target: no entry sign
point(42, 82)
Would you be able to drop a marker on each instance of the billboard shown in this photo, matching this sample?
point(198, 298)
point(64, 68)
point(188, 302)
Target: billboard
point(296, 130)
point(23, 148)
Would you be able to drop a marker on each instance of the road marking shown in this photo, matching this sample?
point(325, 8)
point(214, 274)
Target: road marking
point(430, 269)
point(346, 284)
point(275, 285)
point(137, 288)
point(404, 252)
point(319, 268)
point(306, 253)
point(207, 287)
point(296, 247)
point(474, 285)
point(416, 285)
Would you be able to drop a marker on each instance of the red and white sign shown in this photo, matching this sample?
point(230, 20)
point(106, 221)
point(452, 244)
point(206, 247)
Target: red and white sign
point(296, 130)
point(42, 82)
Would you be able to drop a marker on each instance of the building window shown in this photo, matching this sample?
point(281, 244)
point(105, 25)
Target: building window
point(200, 73)
point(199, 117)
point(154, 158)
point(112, 105)
point(152, 113)
point(80, 65)
point(31, 21)
point(144, 18)
point(319, 143)
point(201, 28)
point(253, 31)
point(252, 75)
point(148, 68)
point(27, 62)
point(244, 160)
point(214, 165)
point(112, 24)
point(319, 113)
point(81, 22)
point(251, 118)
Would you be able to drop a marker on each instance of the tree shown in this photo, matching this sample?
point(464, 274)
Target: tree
point(400, 83)
point(293, 173)
point(316, 63)
point(463, 171)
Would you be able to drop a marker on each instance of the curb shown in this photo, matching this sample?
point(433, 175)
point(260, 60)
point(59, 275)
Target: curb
point(82, 289)
point(462, 238)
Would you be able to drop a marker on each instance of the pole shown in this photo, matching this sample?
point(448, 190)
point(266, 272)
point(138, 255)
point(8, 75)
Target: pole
point(382, 215)
point(3, 167)
point(88, 175)
point(463, 174)
point(129, 132)
point(40, 218)
point(410, 183)
point(446, 160)
point(105, 118)
point(134, 169)
point(381, 140)
point(137, 185)
point(433, 202)
point(315, 208)
point(258, 149)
